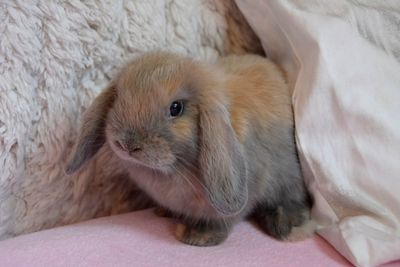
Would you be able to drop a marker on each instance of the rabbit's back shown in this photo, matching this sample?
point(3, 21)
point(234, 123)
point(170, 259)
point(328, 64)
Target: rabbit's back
point(262, 117)
point(258, 93)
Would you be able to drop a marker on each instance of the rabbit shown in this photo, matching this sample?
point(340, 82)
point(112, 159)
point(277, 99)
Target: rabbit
point(211, 144)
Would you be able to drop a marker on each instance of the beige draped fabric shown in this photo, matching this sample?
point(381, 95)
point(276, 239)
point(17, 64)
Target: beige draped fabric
point(342, 60)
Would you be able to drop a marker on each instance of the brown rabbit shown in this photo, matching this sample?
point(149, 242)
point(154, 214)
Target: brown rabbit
point(211, 144)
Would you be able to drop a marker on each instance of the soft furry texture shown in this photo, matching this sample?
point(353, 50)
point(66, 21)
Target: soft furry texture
point(54, 59)
point(231, 153)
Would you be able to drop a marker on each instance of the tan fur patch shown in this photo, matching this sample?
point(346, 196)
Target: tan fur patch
point(256, 100)
point(180, 231)
point(302, 232)
point(200, 238)
point(183, 128)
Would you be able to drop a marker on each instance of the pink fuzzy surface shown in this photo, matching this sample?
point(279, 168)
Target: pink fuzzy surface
point(142, 239)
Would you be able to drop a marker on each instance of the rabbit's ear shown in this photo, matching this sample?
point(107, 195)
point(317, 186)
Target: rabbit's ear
point(222, 162)
point(91, 136)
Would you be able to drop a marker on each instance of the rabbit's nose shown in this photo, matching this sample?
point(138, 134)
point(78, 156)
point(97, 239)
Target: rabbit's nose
point(130, 141)
point(135, 148)
point(128, 146)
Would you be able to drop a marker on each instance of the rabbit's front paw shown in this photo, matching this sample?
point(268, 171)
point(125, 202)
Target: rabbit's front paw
point(200, 237)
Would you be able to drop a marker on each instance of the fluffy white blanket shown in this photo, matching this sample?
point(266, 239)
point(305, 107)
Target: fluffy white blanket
point(54, 59)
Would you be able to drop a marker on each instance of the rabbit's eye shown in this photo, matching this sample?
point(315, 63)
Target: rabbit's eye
point(176, 109)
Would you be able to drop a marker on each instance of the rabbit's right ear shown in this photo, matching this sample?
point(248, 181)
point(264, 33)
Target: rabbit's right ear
point(221, 160)
point(92, 136)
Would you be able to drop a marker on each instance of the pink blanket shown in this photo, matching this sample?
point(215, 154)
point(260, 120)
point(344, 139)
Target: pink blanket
point(142, 239)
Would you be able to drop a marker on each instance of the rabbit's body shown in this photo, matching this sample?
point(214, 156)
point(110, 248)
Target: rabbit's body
point(229, 154)
point(174, 192)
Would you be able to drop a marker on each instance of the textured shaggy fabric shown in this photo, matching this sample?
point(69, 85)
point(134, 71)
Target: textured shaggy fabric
point(142, 239)
point(54, 59)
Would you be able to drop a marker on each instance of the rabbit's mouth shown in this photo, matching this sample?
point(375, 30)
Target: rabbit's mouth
point(152, 156)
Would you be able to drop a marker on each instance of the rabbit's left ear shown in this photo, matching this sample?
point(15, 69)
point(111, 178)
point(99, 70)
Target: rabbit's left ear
point(222, 162)
point(91, 137)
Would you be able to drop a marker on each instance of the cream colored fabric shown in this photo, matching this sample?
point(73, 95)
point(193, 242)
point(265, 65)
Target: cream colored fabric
point(342, 59)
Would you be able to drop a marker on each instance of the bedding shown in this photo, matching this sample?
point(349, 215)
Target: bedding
point(342, 59)
point(143, 239)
